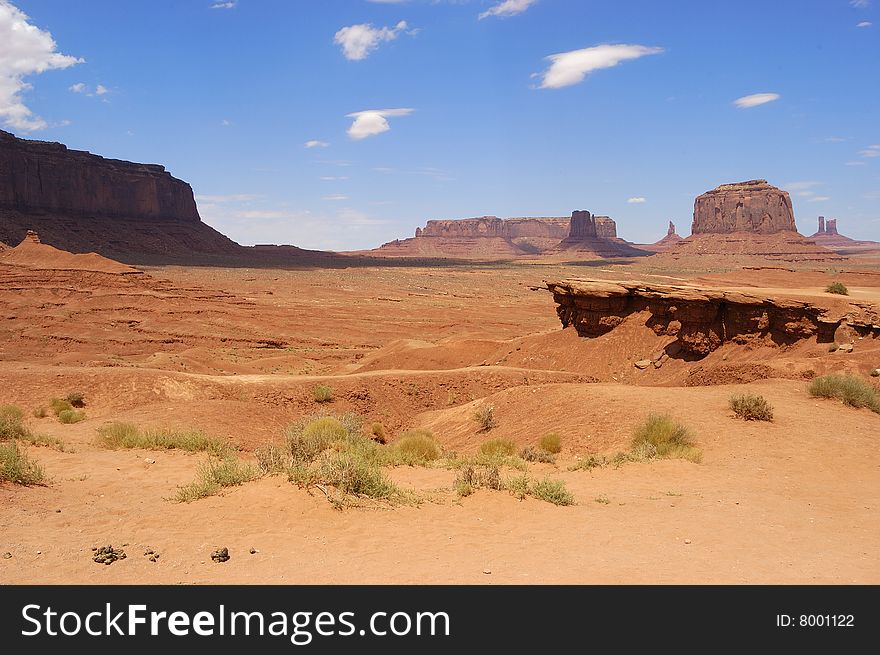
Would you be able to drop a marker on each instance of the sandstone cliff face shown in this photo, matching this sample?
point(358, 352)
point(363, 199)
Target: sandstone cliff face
point(754, 206)
point(492, 226)
point(702, 320)
point(81, 202)
point(594, 237)
point(41, 176)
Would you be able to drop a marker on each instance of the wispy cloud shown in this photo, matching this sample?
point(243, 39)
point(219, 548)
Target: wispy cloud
point(860, 4)
point(637, 200)
point(854, 163)
point(427, 171)
point(567, 68)
point(871, 151)
point(865, 23)
point(25, 50)
point(231, 4)
point(373, 121)
point(358, 41)
point(85, 89)
point(235, 197)
point(79, 87)
point(335, 196)
point(801, 186)
point(314, 143)
point(819, 199)
point(507, 8)
point(101, 90)
point(333, 178)
point(755, 100)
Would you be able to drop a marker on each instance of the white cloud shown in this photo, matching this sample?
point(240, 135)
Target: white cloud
point(507, 8)
point(314, 143)
point(801, 186)
point(358, 41)
point(25, 50)
point(79, 87)
point(871, 151)
point(860, 4)
point(756, 99)
point(865, 23)
point(101, 90)
point(225, 122)
point(834, 139)
point(225, 5)
point(567, 68)
point(335, 196)
point(373, 121)
point(638, 200)
point(333, 178)
point(819, 199)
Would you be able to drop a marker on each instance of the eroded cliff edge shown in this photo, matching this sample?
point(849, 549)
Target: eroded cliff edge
point(701, 320)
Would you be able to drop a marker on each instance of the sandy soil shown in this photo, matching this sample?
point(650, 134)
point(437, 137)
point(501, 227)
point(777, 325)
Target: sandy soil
point(237, 352)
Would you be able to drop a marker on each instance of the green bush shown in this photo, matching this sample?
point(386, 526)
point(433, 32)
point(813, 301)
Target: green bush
point(497, 448)
point(416, 447)
point(351, 474)
point(838, 288)
point(471, 477)
point(519, 486)
point(126, 435)
point(377, 431)
point(59, 405)
point(751, 407)
point(485, 418)
point(11, 426)
point(17, 467)
point(40, 412)
point(307, 440)
point(322, 394)
point(215, 475)
point(661, 436)
point(551, 443)
point(531, 454)
point(68, 416)
point(853, 391)
point(552, 491)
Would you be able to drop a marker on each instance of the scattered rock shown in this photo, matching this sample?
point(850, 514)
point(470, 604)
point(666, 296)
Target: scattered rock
point(220, 555)
point(149, 460)
point(687, 541)
point(7, 555)
point(253, 551)
point(487, 572)
point(642, 363)
point(658, 363)
point(107, 555)
point(845, 347)
point(875, 373)
point(151, 555)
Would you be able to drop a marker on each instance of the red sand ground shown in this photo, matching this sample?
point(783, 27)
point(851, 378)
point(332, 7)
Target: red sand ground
point(237, 352)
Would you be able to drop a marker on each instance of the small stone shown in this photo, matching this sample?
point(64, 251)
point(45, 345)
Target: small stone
point(642, 363)
point(220, 555)
point(39, 552)
point(687, 541)
point(875, 373)
point(487, 572)
point(845, 348)
point(149, 460)
point(58, 511)
point(658, 363)
point(253, 551)
point(7, 555)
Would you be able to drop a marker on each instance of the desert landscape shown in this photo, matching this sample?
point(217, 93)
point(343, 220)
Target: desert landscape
point(533, 400)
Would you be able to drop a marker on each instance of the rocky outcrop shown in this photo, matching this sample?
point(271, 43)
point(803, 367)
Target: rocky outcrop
point(668, 241)
point(585, 239)
point(492, 226)
point(82, 202)
point(828, 236)
point(701, 320)
point(754, 206)
point(606, 228)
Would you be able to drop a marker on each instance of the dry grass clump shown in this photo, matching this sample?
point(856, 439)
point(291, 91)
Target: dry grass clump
point(416, 447)
point(532, 454)
point(485, 418)
point(497, 448)
point(377, 431)
point(661, 436)
point(17, 467)
point(127, 435)
point(552, 491)
point(214, 476)
point(13, 429)
point(751, 407)
point(472, 477)
point(838, 288)
point(68, 416)
point(322, 394)
point(551, 443)
point(40, 412)
point(76, 399)
point(849, 389)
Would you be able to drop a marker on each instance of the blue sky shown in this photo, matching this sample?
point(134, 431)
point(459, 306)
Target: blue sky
point(467, 115)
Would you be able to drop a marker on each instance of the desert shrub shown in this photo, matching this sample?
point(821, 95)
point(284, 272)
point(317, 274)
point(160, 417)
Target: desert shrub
point(17, 467)
point(40, 412)
point(416, 447)
point(485, 418)
point(76, 399)
point(853, 391)
point(751, 407)
point(377, 431)
point(59, 405)
point(11, 426)
point(351, 474)
point(215, 475)
point(661, 436)
point(126, 435)
point(532, 454)
point(306, 440)
point(518, 485)
point(272, 458)
point(552, 491)
point(322, 394)
point(602, 500)
point(838, 288)
point(551, 443)
point(471, 477)
point(497, 448)
point(589, 462)
point(68, 416)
